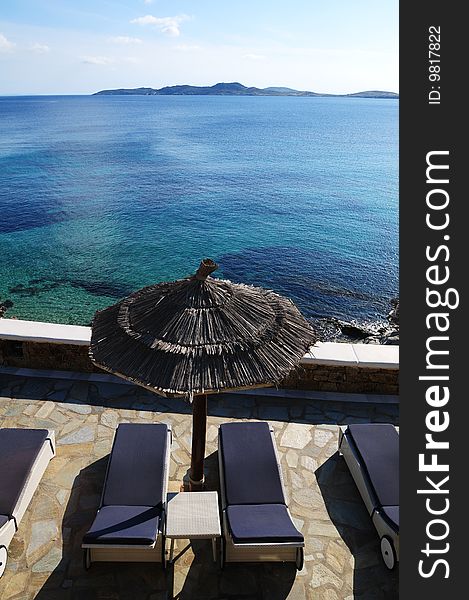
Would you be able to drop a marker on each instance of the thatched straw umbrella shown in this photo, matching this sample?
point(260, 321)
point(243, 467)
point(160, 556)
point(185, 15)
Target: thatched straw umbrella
point(199, 336)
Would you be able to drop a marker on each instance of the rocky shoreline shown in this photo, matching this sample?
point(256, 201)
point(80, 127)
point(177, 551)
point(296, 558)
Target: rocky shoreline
point(384, 332)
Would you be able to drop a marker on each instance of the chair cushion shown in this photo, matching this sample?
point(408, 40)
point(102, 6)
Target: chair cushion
point(250, 465)
point(3, 519)
point(127, 525)
point(391, 514)
point(262, 523)
point(377, 445)
point(135, 475)
point(19, 449)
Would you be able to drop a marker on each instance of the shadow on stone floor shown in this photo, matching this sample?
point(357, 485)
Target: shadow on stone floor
point(103, 396)
point(371, 579)
point(70, 581)
point(95, 394)
point(204, 580)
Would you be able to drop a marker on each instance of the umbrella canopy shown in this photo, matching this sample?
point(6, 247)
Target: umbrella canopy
point(200, 335)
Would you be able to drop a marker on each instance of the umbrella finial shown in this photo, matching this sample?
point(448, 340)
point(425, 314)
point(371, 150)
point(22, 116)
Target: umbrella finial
point(206, 267)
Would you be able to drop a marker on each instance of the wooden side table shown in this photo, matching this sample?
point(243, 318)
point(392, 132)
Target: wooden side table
point(193, 515)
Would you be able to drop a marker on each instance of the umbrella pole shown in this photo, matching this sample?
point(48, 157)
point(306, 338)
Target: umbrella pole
point(199, 426)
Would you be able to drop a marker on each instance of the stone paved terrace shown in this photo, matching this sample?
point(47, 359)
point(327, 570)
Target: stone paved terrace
point(342, 558)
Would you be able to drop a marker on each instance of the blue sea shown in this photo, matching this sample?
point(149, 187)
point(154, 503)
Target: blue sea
point(101, 195)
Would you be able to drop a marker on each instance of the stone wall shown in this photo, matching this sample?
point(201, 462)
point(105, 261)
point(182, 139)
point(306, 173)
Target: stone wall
point(46, 355)
point(351, 379)
point(308, 376)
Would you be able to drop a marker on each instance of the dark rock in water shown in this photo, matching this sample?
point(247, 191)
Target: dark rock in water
point(380, 332)
point(389, 335)
point(22, 290)
point(391, 340)
point(102, 288)
point(4, 306)
point(16, 289)
point(327, 330)
point(393, 315)
point(35, 287)
point(336, 330)
point(96, 288)
point(354, 331)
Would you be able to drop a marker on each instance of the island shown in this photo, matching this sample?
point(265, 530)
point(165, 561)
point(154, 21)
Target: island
point(234, 89)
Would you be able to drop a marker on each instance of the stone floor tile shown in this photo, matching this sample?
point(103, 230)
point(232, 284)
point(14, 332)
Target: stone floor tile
point(296, 436)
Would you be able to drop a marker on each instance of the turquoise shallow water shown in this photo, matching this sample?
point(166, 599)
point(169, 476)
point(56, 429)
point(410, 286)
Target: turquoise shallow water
point(101, 195)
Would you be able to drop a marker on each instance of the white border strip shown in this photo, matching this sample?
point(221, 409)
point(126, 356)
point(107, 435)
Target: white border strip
point(53, 333)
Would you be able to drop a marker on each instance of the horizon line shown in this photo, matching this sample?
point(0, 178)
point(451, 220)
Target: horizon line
point(45, 94)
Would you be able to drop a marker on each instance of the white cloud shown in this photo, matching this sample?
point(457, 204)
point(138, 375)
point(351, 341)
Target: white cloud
point(97, 60)
point(148, 1)
point(146, 20)
point(124, 40)
point(104, 61)
point(254, 56)
point(168, 25)
point(5, 45)
point(40, 48)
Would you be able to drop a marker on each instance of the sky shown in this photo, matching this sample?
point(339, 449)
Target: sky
point(82, 46)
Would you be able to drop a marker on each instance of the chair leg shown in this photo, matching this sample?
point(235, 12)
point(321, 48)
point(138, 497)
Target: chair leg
point(163, 552)
point(214, 549)
point(300, 558)
point(86, 559)
point(222, 552)
point(171, 551)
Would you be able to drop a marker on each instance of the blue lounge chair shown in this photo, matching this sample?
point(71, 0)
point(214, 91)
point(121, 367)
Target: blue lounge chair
point(257, 525)
point(130, 523)
point(24, 456)
point(371, 451)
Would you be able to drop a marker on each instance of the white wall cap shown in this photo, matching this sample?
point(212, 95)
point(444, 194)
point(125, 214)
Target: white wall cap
point(378, 356)
point(35, 331)
point(360, 355)
point(331, 353)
